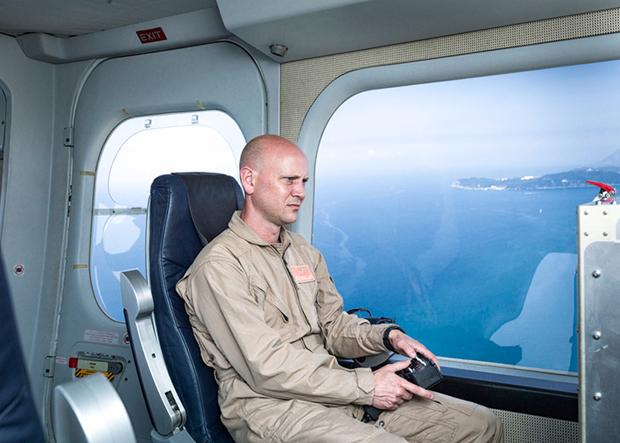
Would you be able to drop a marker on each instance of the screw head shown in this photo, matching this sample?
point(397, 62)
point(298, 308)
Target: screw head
point(597, 396)
point(18, 270)
point(596, 335)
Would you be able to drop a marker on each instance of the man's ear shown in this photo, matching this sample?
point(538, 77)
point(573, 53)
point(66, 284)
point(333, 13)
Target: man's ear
point(248, 176)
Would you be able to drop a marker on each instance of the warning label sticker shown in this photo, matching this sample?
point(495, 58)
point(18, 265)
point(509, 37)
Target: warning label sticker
point(81, 373)
point(103, 337)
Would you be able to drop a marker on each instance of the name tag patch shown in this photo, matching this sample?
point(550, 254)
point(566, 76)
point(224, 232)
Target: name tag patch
point(302, 273)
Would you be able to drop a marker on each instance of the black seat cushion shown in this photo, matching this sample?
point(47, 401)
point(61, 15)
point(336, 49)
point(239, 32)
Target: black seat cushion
point(174, 243)
point(19, 421)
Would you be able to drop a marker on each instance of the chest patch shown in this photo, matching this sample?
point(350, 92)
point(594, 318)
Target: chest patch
point(302, 273)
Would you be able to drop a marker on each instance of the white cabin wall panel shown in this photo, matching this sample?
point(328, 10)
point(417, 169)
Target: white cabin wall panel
point(66, 79)
point(220, 76)
point(28, 183)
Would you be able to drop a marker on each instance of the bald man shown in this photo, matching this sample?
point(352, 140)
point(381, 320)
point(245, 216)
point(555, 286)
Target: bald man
point(270, 322)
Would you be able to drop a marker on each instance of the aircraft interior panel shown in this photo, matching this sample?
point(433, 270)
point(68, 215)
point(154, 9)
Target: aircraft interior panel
point(28, 85)
point(218, 76)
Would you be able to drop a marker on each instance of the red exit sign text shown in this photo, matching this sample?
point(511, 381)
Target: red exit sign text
point(151, 35)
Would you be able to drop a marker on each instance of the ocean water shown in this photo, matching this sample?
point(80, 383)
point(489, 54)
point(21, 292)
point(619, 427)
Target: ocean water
point(482, 275)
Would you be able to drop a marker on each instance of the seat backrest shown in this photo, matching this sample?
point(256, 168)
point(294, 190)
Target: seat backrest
point(185, 212)
point(19, 420)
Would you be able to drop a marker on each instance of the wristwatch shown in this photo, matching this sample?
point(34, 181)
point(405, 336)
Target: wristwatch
point(386, 336)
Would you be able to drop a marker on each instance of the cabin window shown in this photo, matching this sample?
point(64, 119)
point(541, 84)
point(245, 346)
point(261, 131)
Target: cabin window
point(135, 153)
point(451, 207)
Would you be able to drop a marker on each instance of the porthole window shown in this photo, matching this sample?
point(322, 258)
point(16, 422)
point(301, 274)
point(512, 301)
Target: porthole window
point(136, 152)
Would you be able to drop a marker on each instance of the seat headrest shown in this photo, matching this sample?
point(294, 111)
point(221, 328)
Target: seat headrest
point(212, 198)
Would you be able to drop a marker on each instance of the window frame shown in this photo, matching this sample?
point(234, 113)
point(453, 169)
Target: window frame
point(558, 388)
point(116, 140)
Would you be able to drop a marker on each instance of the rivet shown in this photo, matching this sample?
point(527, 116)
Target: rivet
point(597, 396)
point(586, 234)
point(585, 212)
point(596, 273)
point(596, 335)
point(18, 270)
point(604, 234)
point(604, 212)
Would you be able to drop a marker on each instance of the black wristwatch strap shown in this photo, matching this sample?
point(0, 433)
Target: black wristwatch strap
point(386, 336)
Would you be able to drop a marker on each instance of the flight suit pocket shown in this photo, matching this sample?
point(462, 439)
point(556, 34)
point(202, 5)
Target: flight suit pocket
point(308, 292)
point(276, 315)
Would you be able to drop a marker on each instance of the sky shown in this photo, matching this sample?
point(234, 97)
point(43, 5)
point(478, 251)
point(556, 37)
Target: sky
point(527, 123)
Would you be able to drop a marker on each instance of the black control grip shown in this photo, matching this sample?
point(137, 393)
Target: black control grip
point(421, 371)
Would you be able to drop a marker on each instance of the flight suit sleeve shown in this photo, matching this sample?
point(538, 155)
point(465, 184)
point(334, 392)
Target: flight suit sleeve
point(223, 300)
point(345, 335)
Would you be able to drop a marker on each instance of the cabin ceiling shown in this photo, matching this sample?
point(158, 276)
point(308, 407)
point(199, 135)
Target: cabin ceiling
point(311, 28)
point(76, 17)
point(306, 28)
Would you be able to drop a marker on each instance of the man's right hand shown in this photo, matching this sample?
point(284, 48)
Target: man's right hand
point(391, 390)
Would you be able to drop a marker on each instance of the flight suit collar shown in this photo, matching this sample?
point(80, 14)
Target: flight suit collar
point(239, 227)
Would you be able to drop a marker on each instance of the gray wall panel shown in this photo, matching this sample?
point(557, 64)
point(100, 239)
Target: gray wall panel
point(28, 184)
point(215, 76)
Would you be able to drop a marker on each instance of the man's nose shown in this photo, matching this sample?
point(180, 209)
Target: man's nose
point(299, 191)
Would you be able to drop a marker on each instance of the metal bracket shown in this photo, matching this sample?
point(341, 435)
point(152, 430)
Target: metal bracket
point(68, 137)
point(50, 365)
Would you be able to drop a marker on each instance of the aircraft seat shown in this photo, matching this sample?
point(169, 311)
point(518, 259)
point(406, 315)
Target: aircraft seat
point(186, 211)
point(19, 420)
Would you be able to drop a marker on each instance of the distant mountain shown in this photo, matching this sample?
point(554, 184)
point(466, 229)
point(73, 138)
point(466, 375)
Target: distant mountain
point(575, 178)
point(611, 161)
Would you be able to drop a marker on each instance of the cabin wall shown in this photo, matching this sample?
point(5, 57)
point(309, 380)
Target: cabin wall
point(221, 76)
point(27, 186)
point(35, 197)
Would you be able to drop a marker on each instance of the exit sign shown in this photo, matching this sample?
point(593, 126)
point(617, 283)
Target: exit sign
point(151, 35)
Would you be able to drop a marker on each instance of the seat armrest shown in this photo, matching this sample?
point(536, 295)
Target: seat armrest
point(90, 411)
point(165, 408)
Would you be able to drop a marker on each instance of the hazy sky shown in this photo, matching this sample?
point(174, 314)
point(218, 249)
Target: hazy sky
point(527, 123)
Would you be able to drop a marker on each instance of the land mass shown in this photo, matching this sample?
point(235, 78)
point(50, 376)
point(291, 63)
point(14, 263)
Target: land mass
point(575, 178)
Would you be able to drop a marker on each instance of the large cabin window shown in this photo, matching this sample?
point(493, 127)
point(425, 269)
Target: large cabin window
point(136, 152)
point(451, 207)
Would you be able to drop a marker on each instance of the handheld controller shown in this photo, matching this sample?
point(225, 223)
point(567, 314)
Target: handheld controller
point(422, 372)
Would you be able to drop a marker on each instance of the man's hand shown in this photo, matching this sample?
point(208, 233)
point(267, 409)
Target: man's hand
point(405, 345)
point(391, 390)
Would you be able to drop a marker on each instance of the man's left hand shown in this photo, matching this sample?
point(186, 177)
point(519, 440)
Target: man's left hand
point(405, 345)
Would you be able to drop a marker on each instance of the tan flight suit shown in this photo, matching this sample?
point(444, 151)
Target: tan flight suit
point(269, 320)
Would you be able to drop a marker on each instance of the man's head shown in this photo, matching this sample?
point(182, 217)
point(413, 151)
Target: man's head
point(273, 174)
